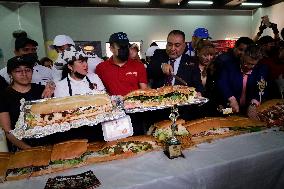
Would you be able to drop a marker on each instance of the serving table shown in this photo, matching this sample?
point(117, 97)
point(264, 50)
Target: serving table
point(253, 160)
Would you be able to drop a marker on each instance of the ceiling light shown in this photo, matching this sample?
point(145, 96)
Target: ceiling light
point(251, 4)
point(200, 2)
point(134, 1)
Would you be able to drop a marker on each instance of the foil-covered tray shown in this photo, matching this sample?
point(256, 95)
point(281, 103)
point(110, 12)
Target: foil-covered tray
point(23, 130)
point(197, 100)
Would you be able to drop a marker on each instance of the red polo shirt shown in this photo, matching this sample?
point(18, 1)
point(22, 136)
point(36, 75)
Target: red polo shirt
point(120, 80)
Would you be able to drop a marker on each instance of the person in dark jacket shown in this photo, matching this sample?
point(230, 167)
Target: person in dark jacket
point(244, 86)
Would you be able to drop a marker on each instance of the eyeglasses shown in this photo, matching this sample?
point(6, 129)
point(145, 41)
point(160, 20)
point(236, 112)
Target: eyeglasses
point(22, 71)
point(27, 49)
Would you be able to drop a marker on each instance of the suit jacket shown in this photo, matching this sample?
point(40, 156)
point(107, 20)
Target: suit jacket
point(186, 71)
point(230, 83)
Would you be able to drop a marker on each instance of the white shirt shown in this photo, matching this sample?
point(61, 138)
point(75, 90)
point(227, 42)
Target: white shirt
point(5, 75)
point(93, 62)
point(176, 66)
point(41, 74)
point(78, 87)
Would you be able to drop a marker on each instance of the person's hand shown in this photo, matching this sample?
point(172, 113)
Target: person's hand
point(251, 112)
point(198, 94)
point(167, 69)
point(274, 28)
point(261, 28)
point(233, 103)
point(49, 90)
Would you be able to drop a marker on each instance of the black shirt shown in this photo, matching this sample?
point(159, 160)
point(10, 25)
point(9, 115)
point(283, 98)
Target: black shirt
point(10, 100)
point(3, 84)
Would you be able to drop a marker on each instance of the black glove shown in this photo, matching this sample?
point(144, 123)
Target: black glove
point(261, 28)
point(274, 28)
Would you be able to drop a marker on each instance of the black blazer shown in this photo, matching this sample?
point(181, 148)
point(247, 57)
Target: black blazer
point(187, 71)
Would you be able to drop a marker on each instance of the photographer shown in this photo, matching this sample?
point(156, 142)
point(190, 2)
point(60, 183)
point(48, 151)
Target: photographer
point(265, 23)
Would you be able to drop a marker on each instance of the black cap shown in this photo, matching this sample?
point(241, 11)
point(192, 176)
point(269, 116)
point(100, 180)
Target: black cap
point(23, 41)
point(28, 60)
point(120, 38)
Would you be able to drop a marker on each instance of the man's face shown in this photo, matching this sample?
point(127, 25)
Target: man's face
point(248, 63)
point(240, 50)
point(62, 48)
point(267, 48)
point(175, 46)
point(28, 49)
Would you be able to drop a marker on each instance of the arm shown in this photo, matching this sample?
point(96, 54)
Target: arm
point(260, 31)
point(49, 90)
point(6, 124)
point(142, 74)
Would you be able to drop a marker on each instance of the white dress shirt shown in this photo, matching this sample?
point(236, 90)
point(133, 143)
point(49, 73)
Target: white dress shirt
point(176, 66)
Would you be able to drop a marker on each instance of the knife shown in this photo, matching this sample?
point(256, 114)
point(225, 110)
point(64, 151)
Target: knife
point(179, 79)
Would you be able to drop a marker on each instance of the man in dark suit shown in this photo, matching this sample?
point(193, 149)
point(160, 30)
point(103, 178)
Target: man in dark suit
point(173, 61)
point(244, 86)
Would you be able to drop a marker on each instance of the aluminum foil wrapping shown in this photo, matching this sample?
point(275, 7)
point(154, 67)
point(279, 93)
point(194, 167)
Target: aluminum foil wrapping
point(199, 101)
point(22, 130)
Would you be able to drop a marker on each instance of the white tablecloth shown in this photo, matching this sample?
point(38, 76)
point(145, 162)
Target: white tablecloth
point(254, 160)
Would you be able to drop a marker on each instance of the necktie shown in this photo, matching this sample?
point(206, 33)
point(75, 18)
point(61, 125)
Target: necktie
point(243, 96)
point(170, 77)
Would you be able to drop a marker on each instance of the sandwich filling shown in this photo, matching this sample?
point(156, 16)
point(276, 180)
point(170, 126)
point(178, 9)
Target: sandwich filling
point(126, 147)
point(33, 119)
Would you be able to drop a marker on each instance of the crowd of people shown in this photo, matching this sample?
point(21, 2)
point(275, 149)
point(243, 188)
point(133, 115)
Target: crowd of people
point(241, 78)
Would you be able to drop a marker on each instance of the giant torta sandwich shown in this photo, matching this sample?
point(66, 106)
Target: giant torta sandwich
point(162, 131)
point(4, 161)
point(66, 109)
point(24, 163)
point(121, 149)
point(272, 112)
point(68, 155)
point(207, 129)
point(168, 95)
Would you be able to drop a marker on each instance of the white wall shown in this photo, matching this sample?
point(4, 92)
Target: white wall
point(275, 14)
point(99, 23)
point(30, 19)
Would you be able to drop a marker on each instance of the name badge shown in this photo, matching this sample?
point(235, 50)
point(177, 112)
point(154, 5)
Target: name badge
point(117, 129)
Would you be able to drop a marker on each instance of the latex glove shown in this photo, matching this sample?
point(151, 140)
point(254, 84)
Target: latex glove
point(274, 28)
point(233, 103)
point(167, 69)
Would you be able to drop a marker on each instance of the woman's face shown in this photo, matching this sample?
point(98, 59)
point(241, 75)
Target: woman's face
point(22, 75)
point(133, 53)
point(206, 55)
point(79, 66)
